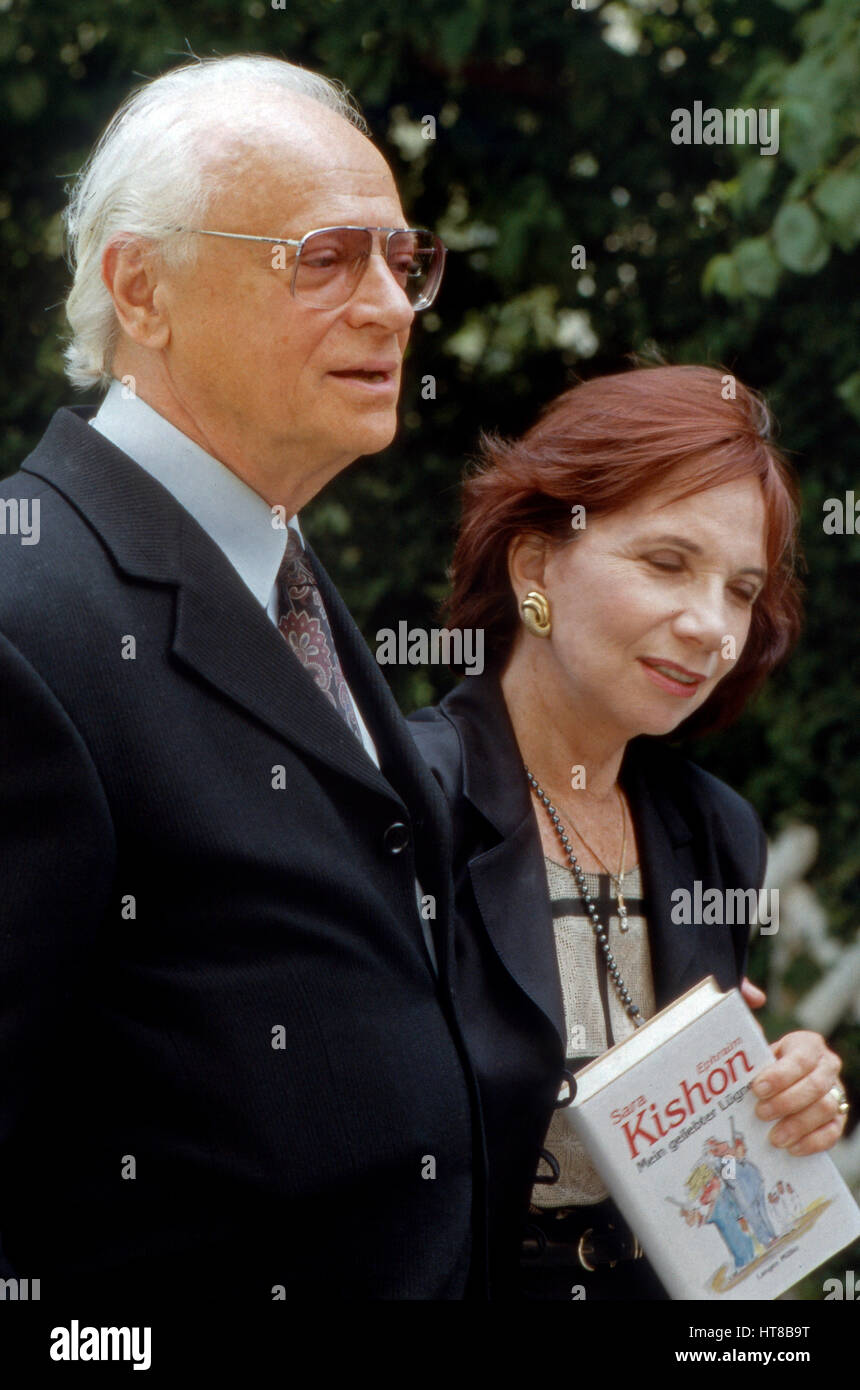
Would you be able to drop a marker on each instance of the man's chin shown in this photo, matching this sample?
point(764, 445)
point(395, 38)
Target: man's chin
point(376, 435)
point(358, 444)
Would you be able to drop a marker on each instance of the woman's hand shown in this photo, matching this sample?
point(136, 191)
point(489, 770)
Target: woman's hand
point(794, 1091)
point(753, 996)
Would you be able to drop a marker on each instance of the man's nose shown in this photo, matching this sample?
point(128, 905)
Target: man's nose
point(379, 296)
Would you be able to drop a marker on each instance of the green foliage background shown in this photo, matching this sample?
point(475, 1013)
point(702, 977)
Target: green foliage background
point(552, 129)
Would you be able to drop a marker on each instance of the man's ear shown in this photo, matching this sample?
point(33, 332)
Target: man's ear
point(131, 270)
point(527, 557)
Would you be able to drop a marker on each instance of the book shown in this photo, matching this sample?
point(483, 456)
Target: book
point(668, 1119)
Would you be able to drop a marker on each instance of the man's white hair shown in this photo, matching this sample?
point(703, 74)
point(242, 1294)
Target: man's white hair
point(157, 167)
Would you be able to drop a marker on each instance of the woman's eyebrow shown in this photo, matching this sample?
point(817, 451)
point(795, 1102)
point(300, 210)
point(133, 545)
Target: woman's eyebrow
point(676, 540)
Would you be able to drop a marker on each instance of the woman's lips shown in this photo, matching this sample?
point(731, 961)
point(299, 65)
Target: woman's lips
point(674, 684)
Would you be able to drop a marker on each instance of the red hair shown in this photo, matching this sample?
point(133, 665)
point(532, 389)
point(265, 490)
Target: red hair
point(603, 444)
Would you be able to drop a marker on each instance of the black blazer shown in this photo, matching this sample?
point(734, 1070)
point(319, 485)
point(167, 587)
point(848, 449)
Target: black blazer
point(689, 826)
point(226, 1058)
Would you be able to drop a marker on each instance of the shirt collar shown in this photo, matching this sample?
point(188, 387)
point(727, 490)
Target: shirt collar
point(237, 518)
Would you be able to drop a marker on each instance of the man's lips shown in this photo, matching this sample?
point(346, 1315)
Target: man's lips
point(373, 372)
point(678, 680)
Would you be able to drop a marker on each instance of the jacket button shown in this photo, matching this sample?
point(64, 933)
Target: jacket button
point(396, 837)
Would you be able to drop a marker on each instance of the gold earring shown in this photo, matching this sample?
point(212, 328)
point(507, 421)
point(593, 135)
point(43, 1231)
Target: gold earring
point(536, 616)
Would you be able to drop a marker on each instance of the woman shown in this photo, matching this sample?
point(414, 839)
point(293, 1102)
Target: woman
point(630, 563)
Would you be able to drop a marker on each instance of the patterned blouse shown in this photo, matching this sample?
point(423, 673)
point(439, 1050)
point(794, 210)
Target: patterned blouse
point(594, 1014)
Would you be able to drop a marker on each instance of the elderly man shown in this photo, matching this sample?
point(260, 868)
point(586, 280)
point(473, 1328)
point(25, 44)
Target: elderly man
point(231, 1057)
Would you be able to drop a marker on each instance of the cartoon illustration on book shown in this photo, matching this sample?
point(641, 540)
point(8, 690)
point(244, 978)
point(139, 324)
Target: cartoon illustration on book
point(746, 1184)
point(727, 1192)
point(784, 1206)
point(719, 1208)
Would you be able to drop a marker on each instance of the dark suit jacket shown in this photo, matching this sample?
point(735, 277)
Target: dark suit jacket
point(689, 826)
point(147, 1030)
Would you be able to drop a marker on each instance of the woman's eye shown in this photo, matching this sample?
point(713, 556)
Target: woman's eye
point(746, 595)
point(665, 563)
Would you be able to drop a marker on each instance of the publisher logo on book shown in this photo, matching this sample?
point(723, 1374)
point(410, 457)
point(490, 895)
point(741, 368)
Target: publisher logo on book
point(718, 907)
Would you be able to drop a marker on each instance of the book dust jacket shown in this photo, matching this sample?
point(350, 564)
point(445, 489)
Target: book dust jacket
point(668, 1118)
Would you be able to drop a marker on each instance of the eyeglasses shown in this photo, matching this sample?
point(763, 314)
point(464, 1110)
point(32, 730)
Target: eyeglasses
point(330, 261)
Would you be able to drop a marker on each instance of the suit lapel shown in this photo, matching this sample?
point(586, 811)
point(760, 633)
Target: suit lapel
point(221, 632)
point(671, 858)
point(224, 635)
point(509, 878)
point(403, 766)
point(509, 882)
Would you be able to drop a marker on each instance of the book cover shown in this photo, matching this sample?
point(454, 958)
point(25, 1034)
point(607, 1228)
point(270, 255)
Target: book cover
point(668, 1119)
